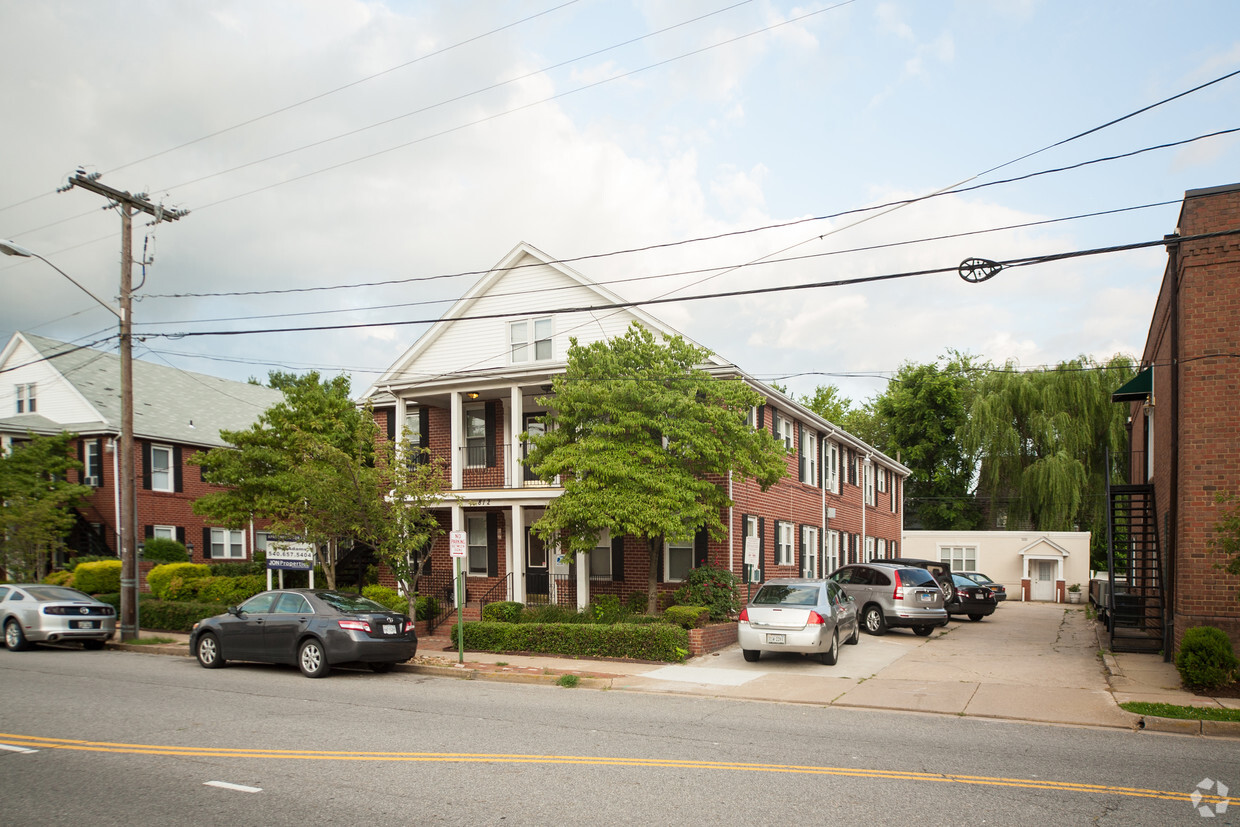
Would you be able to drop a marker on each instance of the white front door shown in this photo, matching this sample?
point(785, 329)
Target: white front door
point(1043, 575)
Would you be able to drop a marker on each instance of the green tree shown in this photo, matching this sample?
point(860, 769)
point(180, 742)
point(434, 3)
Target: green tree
point(39, 503)
point(1048, 441)
point(286, 467)
point(921, 412)
point(1226, 539)
point(641, 438)
point(829, 403)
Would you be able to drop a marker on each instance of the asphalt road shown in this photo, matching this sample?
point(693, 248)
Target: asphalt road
point(106, 738)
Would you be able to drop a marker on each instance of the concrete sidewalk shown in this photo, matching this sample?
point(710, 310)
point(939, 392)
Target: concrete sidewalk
point(1028, 662)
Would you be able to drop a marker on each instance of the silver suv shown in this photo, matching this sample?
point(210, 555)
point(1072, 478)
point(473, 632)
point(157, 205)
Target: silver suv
point(893, 595)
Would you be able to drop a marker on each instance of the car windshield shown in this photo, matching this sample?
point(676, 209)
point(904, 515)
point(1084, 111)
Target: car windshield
point(916, 577)
point(57, 593)
point(964, 581)
point(351, 603)
point(787, 595)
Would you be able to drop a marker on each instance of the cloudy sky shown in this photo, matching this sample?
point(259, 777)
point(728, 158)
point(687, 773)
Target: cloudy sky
point(392, 151)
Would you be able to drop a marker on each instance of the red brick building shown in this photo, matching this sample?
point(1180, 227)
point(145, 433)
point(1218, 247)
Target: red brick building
point(469, 387)
point(1185, 432)
point(54, 387)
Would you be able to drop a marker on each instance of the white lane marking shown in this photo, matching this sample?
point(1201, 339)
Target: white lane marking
point(224, 785)
point(12, 748)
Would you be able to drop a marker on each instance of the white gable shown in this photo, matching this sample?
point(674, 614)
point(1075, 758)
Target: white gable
point(56, 398)
point(473, 336)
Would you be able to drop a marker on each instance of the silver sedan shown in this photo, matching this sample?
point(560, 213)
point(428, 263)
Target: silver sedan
point(38, 613)
point(798, 615)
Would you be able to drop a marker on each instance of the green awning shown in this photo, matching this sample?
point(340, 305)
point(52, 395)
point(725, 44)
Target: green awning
point(1136, 389)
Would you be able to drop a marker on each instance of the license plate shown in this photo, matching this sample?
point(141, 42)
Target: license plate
point(84, 624)
point(926, 597)
point(389, 629)
point(775, 638)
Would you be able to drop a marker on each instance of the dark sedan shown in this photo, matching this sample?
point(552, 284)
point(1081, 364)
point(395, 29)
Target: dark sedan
point(971, 599)
point(314, 629)
point(980, 579)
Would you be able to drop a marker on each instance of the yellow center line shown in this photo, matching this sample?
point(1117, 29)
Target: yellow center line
point(39, 742)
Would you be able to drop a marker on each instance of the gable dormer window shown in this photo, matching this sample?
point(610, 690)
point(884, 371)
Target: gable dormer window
point(26, 400)
point(529, 340)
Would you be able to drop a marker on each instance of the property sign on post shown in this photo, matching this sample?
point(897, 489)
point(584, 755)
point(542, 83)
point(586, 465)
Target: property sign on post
point(290, 555)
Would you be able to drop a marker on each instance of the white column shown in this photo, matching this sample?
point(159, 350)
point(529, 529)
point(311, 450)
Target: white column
point(458, 442)
point(516, 471)
point(399, 431)
point(583, 582)
point(516, 544)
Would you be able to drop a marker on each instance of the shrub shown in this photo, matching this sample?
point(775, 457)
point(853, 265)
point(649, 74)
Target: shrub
point(551, 613)
point(168, 616)
point(228, 590)
point(238, 569)
point(59, 578)
point(636, 603)
point(389, 597)
point(98, 577)
point(687, 617)
point(606, 608)
point(164, 550)
point(657, 642)
point(712, 587)
point(86, 558)
point(1206, 659)
point(505, 611)
point(160, 577)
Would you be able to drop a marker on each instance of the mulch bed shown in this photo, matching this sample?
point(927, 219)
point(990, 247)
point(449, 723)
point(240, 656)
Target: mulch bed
point(1232, 690)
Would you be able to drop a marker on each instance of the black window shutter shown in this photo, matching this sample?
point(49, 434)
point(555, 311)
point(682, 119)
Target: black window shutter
point(801, 550)
point(492, 544)
point(206, 543)
point(858, 548)
point(98, 459)
point(774, 423)
point(81, 455)
point(801, 453)
point(762, 416)
point(181, 535)
point(424, 427)
point(391, 425)
point(761, 549)
point(617, 558)
point(489, 414)
point(148, 531)
point(178, 481)
point(146, 465)
point(700, 547)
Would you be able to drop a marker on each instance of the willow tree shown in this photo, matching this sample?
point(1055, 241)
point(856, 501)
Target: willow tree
point(1047, 442)
point(641, 439)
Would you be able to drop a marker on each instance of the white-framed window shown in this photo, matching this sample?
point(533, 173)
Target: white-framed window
point(882, 549)
point(784, 538)
point(832, 467)
point(260, 540)
point(677, 561)
point(895, 549)
point(785, 433)
point(869, 484)
point(529, 340)
point(833, 551)
point(809, 551)
point(93, 455)
point(869, 549)
point(600, 556)
point(882, 480)
point(161, 468)
point(164, 532)
point(1149, 443)
point(475, 438)
point(227, 544)
point(752, 419)
point(809, 458)
point(413, 426)
point(961, 558)
point(476, 538)
point(27, 401)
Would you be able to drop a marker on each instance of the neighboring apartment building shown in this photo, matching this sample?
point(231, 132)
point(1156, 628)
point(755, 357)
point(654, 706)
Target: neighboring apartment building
point(54, 387)
point(1185, 438)
point(468, 388)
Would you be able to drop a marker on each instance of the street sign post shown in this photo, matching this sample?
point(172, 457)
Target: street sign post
point(458, 546)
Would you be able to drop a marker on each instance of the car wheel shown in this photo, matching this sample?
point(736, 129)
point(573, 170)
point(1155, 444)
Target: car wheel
point(875, 623)
point(14, 638)
point(92, 645)
point(751, 655)
point(976, 618)
point(923, 631)
point(855, 638)
point(312, 659)
point(208, 652)
point(830, 656)
point(382, 668)
point(949, 592)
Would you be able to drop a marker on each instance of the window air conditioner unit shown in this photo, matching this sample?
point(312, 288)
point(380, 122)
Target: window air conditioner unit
point(93, 482)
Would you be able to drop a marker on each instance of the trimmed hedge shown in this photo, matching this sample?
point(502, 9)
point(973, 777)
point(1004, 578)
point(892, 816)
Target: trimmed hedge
point(505, 611)
point(100, 577)
point(1206, 659)
point(166, 615)
point(687, 617)
point(164, 550)
point(59, 578)
point(160, 578)
point(658, 642)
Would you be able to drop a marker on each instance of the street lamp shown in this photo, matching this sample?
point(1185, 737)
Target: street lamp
point(127, 486)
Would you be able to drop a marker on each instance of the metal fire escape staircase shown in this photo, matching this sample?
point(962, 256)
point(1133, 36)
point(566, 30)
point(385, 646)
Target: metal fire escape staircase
point(1135, 605)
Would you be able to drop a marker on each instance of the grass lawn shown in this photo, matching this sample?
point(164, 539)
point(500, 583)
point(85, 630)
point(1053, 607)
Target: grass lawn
point(1192, 713)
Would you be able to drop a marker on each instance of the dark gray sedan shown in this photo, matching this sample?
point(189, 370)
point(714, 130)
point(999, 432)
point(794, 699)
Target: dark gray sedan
point(313, 629)
point(38, 613)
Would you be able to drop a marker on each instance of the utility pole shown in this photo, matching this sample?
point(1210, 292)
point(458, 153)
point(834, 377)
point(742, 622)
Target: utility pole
point(128, 485)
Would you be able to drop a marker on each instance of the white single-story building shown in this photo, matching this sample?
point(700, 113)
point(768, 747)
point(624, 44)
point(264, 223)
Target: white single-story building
point(1033, 565)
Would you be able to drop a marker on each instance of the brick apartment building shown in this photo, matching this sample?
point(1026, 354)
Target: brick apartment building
point(468, 388)
point(1185, 437)
point(54, 387)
